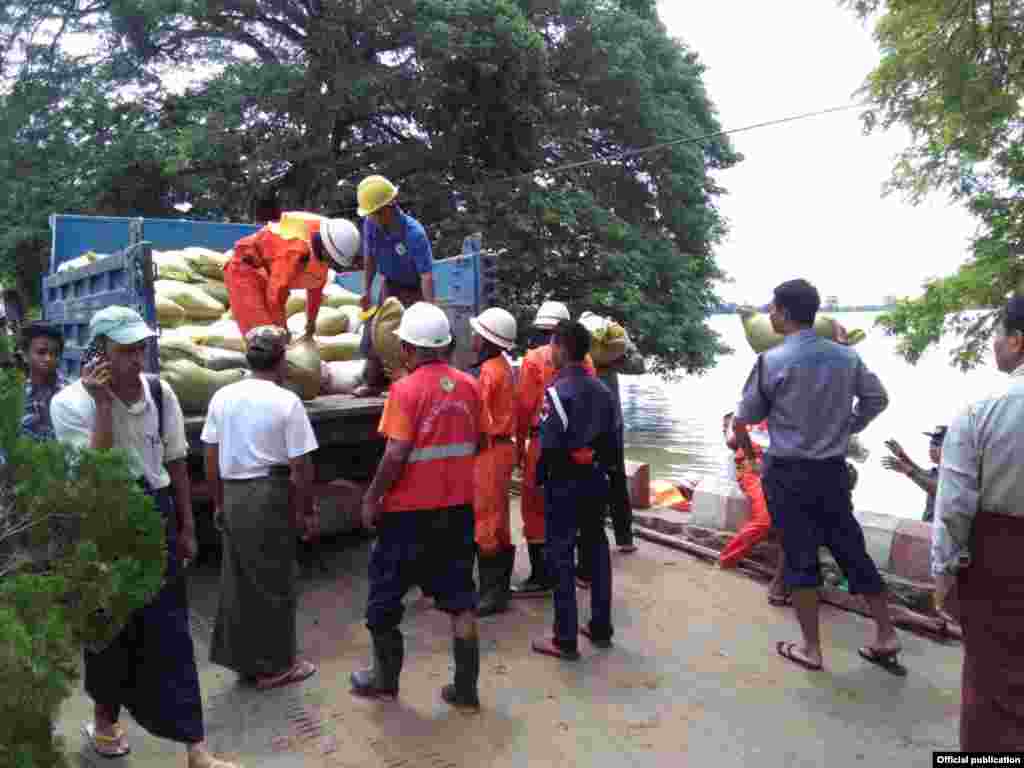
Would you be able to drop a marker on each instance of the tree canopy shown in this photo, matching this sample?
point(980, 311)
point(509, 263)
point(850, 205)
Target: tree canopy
point(952, 73)
point(464, 103)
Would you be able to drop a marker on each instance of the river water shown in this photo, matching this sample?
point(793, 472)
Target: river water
point(676, 426)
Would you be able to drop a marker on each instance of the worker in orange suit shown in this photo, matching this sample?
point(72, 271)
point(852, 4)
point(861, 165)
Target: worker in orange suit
point(536, 374)
point(759, 526)
point(293, 253)
point(494, 333)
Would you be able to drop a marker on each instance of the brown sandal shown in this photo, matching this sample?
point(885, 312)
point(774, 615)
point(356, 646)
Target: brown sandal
point(301, 671)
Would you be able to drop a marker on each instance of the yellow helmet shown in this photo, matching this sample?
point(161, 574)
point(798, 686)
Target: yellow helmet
point(296, 225)
point(374, 193)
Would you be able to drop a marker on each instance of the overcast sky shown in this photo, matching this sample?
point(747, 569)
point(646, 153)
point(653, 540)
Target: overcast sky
point(806, 201)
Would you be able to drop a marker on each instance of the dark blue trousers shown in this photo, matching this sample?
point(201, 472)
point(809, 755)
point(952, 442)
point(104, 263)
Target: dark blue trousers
point(150, 667)
point(572, 506)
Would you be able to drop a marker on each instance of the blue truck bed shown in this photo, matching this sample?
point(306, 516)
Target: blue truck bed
point(71, 298)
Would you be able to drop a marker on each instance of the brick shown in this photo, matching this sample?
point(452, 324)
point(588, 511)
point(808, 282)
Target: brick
point(638, 479)
point(719, 504)
point(911, 551)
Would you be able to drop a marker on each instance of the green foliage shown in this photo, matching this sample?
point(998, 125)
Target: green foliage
point(459, 101)
point(952, 73)
point(81, 548)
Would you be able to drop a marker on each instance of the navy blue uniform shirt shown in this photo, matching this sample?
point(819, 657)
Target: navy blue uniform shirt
point(578, 421)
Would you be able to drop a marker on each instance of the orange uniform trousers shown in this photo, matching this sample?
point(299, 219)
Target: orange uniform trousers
point(247, 287)
point(756, 529)
point(531, 496)
point(492, 474)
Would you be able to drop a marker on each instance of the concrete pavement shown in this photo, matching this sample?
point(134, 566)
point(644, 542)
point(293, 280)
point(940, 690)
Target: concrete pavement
point(693, 676)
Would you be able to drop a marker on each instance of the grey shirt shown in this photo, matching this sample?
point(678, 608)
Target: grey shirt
point(980, 471)
point(807, 391)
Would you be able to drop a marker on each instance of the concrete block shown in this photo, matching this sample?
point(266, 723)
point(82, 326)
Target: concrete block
point(341, 504)
point(911, 551)
point(638, 480)
point(720, 505)
point(879, 531)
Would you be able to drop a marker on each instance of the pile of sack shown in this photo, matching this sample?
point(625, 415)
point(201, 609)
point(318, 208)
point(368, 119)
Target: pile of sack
point(201, 347)
point(196, 326)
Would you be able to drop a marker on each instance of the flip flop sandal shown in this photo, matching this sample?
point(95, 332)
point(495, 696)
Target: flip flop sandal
point(298, 673)
point(549, 647)
point(887, 660)
point(109, 747)
point(785, 650)
point(780, 601)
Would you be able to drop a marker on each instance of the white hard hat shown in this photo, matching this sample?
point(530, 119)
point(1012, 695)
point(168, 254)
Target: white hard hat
point(425, 325)
point(341, 241)
point(497, 326)
point(550, 314)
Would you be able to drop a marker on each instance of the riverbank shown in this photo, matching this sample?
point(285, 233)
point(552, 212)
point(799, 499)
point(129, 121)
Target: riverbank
point(693, 676)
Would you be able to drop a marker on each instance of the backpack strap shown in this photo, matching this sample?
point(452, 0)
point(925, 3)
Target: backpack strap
point(156, 391)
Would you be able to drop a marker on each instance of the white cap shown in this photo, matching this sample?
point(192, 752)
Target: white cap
point(497, 326)
point(426, 326)
point(550, 314)
point(341, 240)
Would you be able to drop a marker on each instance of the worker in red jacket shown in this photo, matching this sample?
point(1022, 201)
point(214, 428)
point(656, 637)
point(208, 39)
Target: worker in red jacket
point(294, 253)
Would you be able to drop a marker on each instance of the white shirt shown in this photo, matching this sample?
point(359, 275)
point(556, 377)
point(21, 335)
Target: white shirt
point(982, 457)
point(73, 412)
point(257, 425)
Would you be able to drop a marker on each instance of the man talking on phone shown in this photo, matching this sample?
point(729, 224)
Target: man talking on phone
point(150, 667)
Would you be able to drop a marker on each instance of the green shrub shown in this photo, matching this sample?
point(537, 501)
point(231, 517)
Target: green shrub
point(81, 548)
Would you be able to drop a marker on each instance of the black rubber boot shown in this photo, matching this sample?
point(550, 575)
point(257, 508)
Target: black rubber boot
point(381, 680)
point(463, 692)
point(493, 594)
point(508, 567)
point(539, 583)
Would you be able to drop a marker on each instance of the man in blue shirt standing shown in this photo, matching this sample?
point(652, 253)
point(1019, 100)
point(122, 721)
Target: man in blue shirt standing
point(395, 245)
point(806, 388)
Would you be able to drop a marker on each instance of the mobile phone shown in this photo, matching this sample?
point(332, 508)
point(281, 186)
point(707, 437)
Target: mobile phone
point(93, 355)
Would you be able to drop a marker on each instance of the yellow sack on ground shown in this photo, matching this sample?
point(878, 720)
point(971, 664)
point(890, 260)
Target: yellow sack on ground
point(198, 305)
point(336, 296)
point(171, 265)
point(385, 322)
point(329, 322)
point(168, 314)
point(303, 376)
point(195, 385)
point(205, 262)
point(217, 290)
point(223, 334)
point(757, 327)
point(608, 339)
point(344, 346)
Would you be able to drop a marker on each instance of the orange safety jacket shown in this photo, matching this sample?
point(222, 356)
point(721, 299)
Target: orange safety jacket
point(289, 264)
point(437, 408)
